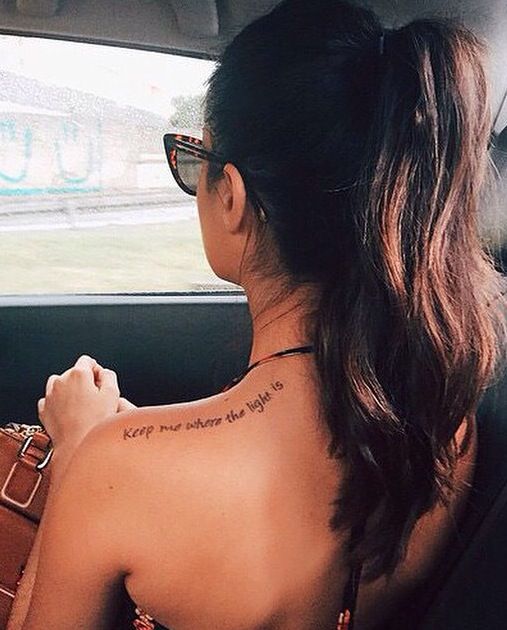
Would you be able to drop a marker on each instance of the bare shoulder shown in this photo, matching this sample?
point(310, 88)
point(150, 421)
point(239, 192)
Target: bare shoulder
point(213, 448)
point(169, 429)
point(154, 442)
point(203, 478)
point(153, 424)
point(180, 472)
point(193, 455)
point(164, 455)
point(207, 422)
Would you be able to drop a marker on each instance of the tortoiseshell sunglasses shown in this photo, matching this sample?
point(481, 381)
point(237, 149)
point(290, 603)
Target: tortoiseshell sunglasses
point(184, 154)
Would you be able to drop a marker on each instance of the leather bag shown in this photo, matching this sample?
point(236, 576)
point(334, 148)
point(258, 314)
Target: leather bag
point(25, 453)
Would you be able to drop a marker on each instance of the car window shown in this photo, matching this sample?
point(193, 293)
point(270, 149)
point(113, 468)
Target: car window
point(87, 201)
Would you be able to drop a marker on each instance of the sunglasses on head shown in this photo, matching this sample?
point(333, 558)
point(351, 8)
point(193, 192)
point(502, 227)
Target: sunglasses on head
point(185, 154)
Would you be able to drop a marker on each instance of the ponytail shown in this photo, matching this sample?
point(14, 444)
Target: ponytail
point(405, 350)
point(368, 151)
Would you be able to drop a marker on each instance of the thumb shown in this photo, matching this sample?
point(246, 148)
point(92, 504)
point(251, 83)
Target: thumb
point(125, 405)
point(106, 380)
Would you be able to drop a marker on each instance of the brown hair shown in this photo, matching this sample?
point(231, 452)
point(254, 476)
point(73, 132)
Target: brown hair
point(368, 152)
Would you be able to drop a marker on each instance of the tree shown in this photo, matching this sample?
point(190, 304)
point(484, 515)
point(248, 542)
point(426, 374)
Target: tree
point(188, 112)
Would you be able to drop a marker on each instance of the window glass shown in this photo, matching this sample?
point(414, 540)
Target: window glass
point(87, 201)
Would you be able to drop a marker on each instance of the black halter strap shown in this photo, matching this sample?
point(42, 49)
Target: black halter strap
point(282, 353)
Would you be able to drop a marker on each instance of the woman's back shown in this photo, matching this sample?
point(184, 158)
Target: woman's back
point(231, 521)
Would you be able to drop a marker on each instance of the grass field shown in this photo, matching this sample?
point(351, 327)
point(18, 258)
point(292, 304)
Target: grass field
point(164, 257)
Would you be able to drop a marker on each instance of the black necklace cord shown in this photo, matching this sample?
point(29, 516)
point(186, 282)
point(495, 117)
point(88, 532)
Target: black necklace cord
point(276, 355)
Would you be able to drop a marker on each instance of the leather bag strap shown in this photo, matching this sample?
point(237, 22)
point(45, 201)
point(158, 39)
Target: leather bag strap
point(24, 485)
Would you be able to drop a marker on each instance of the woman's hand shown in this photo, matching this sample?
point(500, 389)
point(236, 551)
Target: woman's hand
point(78, 400)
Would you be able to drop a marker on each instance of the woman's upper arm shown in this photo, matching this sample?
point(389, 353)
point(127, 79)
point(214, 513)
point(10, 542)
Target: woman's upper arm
point(81, 564)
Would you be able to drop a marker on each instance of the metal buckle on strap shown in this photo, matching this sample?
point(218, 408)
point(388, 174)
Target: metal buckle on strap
point(4, 492)
point(39, 466)
point(24, 448)
point(7, 591)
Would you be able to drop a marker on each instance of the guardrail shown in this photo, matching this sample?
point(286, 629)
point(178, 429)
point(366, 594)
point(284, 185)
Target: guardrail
point(93, 209)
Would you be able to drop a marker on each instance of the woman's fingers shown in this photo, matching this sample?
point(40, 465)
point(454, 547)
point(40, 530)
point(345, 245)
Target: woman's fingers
point(86, 361)
point(84, 369)
point(81, 372)
point(49, 384)
point(106, 380)
point(77, 400)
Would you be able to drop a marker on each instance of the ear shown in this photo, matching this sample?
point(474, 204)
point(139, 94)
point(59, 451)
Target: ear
point(232, 192)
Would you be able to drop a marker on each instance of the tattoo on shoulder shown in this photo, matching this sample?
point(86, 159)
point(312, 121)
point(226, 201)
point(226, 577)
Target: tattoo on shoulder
point(250, 407)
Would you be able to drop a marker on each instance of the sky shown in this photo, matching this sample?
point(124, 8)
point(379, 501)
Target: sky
point(148, 80)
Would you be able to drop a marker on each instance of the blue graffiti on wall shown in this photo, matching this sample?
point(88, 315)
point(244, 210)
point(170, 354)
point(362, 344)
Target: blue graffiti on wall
point(9, 133)
point(77, 158)
point(69, 137)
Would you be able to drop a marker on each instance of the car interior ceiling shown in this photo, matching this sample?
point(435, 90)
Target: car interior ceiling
point(165, 359)
point(201, 28)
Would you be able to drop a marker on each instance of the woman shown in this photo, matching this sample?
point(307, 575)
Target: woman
point(338, 183)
